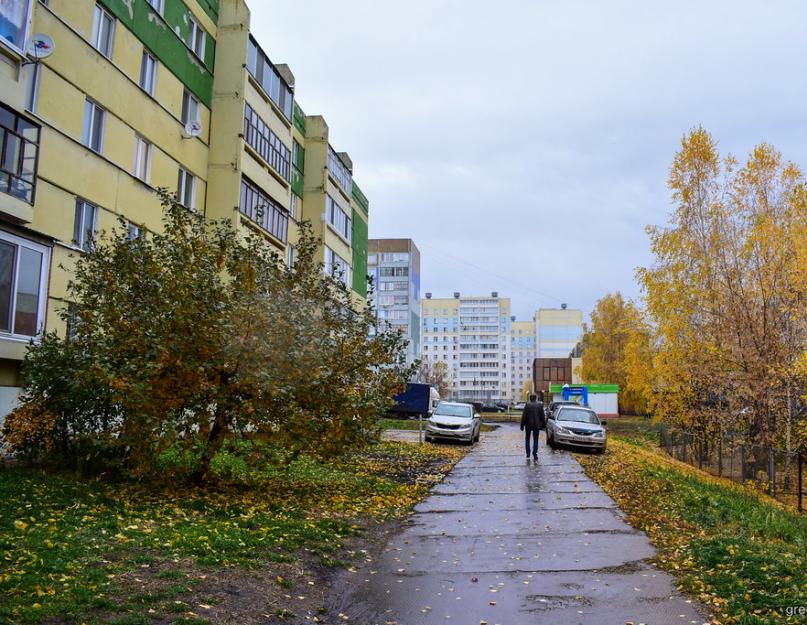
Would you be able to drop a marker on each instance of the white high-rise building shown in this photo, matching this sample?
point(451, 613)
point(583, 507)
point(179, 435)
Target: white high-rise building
point(472, 335)
point(394, 265)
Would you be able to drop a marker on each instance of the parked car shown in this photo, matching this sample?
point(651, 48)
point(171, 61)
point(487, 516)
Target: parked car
point(454, 421)
point(492, 408)
point(550, 410)
point(576, 426)
point(520, 405)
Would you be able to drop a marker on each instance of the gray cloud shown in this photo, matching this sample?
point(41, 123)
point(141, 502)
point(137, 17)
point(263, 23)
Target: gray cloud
point(524, 145)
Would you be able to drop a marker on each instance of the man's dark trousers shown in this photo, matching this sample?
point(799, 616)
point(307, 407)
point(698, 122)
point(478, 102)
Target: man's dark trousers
point(532, 422)
point(534, 432)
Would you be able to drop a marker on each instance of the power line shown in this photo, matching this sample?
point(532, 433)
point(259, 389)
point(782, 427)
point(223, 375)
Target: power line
point(463, 261)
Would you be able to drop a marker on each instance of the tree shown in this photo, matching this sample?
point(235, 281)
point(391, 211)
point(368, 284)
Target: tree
point(435, 373)
point(617, 350)
point(526, 390)
point(725, 293)
point(198, 334)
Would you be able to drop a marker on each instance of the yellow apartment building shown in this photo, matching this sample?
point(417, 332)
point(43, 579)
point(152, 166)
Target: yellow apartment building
point(141, 94)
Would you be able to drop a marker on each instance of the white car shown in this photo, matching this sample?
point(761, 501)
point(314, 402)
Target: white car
point(576, 426)
point(454, 421)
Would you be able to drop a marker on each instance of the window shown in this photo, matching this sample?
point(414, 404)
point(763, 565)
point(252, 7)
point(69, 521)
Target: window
point(337, 266)
point(291, 256)
point(196, 38)
point(13, 22)
point(190, 108)
point(338, 218)
point(103, 27)
point(186, 189)
point(263, 210)
point(85, 226)
point(133, 232)
point(157, 5)
point(93, 135)
point(23, 282)
point(142, 166)
point(268, 78)
point(19, 153)
point(266, 143)
point(338, 170)
point(148, 73)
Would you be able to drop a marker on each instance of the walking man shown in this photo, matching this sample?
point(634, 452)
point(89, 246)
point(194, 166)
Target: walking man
point(533, 421)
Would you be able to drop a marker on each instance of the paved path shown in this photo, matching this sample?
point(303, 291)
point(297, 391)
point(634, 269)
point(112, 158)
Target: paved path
point(510, 542)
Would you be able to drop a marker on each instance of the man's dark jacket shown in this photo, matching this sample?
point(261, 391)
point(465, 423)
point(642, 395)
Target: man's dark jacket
point(533, 416)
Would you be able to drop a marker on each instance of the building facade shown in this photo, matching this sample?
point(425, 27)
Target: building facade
point(522, 355)
point(394, 265)
point(472, 335)
point(557, 331)
point(138, 95)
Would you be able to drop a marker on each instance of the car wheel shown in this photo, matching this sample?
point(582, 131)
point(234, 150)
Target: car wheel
point(550, 440)
point(476, 438)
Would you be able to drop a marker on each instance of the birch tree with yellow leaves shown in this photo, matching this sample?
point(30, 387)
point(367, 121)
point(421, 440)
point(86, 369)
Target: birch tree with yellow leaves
point(727, 294)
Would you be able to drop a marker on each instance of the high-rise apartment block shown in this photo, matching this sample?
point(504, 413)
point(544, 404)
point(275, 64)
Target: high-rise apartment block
point(522, 355)
point(394, 265)
point(557, 331)
point(142, 94)
point(473, 336)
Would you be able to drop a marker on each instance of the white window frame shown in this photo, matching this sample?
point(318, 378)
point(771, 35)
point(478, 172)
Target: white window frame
point(80, 239)
point(142, 164)
point(98, 16)
point(43, 285)
point(148, 73)
point(196, 31)
point(189, 99)
point(182, 179)
point(291, 256)
point(97, 115)
point(157, 5)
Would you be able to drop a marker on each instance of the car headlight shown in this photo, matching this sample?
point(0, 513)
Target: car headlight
point(599, 434)
point(465, 427)
point(563, 430)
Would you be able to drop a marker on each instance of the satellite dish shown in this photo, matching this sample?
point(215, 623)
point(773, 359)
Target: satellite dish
point(39, 46)
point(193, 128)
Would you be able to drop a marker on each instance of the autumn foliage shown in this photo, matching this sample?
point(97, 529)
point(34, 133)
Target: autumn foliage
point(727, 296)
point(198, 335)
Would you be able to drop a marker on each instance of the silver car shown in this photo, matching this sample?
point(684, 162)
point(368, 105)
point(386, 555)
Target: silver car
point(454, 421)
point(576, 426)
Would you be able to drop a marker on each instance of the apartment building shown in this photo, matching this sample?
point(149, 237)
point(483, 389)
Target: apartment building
point(522, 355)
point(142, 94)
point(557, 331)
point(472, 335)
point(394, 265)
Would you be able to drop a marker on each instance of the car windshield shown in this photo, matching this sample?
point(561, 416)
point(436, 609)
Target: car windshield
point(454, 410)
point(578, 414)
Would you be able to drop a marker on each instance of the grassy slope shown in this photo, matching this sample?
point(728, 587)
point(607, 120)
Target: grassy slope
point(740, 552)
point(66, 542)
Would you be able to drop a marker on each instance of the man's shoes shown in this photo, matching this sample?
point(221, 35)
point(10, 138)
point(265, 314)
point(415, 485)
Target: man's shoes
point(535, 456)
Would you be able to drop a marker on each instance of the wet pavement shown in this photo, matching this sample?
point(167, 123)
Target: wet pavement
point(507, 541)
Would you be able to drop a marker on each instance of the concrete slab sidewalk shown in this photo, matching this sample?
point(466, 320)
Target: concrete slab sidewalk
point(508, 541)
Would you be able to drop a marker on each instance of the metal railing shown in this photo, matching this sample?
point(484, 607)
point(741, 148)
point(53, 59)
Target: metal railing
point(778, 472)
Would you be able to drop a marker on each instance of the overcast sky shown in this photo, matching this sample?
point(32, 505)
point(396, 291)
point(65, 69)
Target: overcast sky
point(524, 145)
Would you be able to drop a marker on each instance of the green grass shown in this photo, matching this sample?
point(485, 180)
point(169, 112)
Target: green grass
point(66, 542)
point(412, 424)
point(740, 552)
